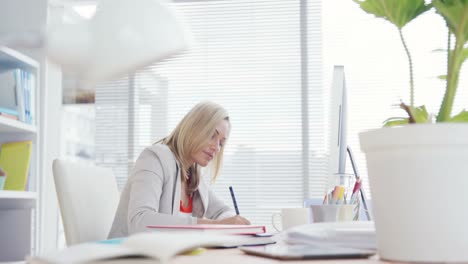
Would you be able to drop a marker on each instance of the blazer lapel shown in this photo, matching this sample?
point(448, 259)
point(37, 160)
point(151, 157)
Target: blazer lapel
point(203, 194)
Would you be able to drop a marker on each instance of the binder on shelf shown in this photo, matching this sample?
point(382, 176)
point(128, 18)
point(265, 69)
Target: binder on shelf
point(32, 94)
point(27, 85)
point(17, 91)
point(27, 88)
point(15, 159)
point(8, 101)
point(19, 95)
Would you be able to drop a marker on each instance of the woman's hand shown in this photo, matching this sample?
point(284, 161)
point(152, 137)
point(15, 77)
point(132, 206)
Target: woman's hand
point(233, 220)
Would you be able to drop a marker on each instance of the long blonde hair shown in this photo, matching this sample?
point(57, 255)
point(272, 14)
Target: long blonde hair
point(191, 135)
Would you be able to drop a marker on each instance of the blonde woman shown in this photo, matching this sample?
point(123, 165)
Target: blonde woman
point(165, 186)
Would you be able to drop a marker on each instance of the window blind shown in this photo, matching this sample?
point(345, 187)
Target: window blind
point(261, 60)
point(249, 56)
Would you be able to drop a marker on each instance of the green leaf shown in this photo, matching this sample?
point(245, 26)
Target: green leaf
point(396, 121)
point(455, 13)
point(420, 114)
point(461, 117)
point(398, 12)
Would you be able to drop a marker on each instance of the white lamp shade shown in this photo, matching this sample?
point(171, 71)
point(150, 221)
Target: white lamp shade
point(123, 36)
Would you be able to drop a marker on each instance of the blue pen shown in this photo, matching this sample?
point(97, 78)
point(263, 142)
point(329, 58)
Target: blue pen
point(234, 200)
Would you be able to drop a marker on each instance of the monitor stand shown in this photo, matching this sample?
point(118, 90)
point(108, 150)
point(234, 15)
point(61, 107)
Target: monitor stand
point(356, 174)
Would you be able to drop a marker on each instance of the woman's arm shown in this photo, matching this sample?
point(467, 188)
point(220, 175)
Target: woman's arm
point(150, 198)
point(216, 207)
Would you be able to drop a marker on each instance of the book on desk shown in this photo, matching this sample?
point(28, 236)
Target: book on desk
point(215, 229)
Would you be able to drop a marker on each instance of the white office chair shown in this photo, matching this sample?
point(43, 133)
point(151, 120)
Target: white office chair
point(88, 197)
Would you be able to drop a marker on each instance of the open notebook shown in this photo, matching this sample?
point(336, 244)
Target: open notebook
point(144, 246)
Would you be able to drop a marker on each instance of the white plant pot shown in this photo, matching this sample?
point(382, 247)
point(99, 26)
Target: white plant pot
point(419, 185)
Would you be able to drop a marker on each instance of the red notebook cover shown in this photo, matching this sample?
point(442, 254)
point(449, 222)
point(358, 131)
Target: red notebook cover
point(221, 229)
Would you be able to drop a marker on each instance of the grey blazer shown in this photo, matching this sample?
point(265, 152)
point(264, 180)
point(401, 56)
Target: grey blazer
point(152, 196)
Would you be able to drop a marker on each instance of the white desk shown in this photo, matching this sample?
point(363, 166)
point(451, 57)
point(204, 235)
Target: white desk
point(235, 256)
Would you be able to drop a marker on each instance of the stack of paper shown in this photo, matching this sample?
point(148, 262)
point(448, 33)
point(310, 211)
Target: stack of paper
point(355, 234)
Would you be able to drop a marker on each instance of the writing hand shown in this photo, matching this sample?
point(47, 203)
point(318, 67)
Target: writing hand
point(234, 220)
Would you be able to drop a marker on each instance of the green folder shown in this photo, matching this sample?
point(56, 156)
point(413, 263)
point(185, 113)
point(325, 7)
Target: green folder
point(14, 160)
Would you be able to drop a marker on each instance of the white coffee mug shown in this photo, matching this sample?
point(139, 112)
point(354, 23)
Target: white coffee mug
point(291, 217)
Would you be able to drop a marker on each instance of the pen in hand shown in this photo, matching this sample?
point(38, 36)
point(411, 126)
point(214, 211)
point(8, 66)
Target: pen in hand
point(234, 200)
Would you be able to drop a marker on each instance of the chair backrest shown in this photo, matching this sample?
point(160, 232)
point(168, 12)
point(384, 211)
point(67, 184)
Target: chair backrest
point(88, 197)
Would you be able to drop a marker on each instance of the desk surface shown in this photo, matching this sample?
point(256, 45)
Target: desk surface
point(235, 256)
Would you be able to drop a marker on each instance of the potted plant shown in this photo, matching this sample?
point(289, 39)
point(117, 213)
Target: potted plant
point(418, 170)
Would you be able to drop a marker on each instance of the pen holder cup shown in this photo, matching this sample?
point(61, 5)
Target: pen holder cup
point(335, 212)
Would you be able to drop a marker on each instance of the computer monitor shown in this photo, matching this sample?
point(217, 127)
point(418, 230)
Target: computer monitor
point(338, 134)
point(338, 118)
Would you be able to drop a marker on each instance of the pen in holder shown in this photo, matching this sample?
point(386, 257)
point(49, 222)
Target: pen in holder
point(341, 201)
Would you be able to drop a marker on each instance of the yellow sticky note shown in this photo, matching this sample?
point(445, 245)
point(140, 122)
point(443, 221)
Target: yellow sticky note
point(196, 251)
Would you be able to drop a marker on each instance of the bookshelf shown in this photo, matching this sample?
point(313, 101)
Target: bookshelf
point(18, 209)
point(10, 58)
point(8, 125)
point(5, 195)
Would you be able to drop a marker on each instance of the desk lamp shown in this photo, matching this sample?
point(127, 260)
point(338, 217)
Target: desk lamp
point(121, 37)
